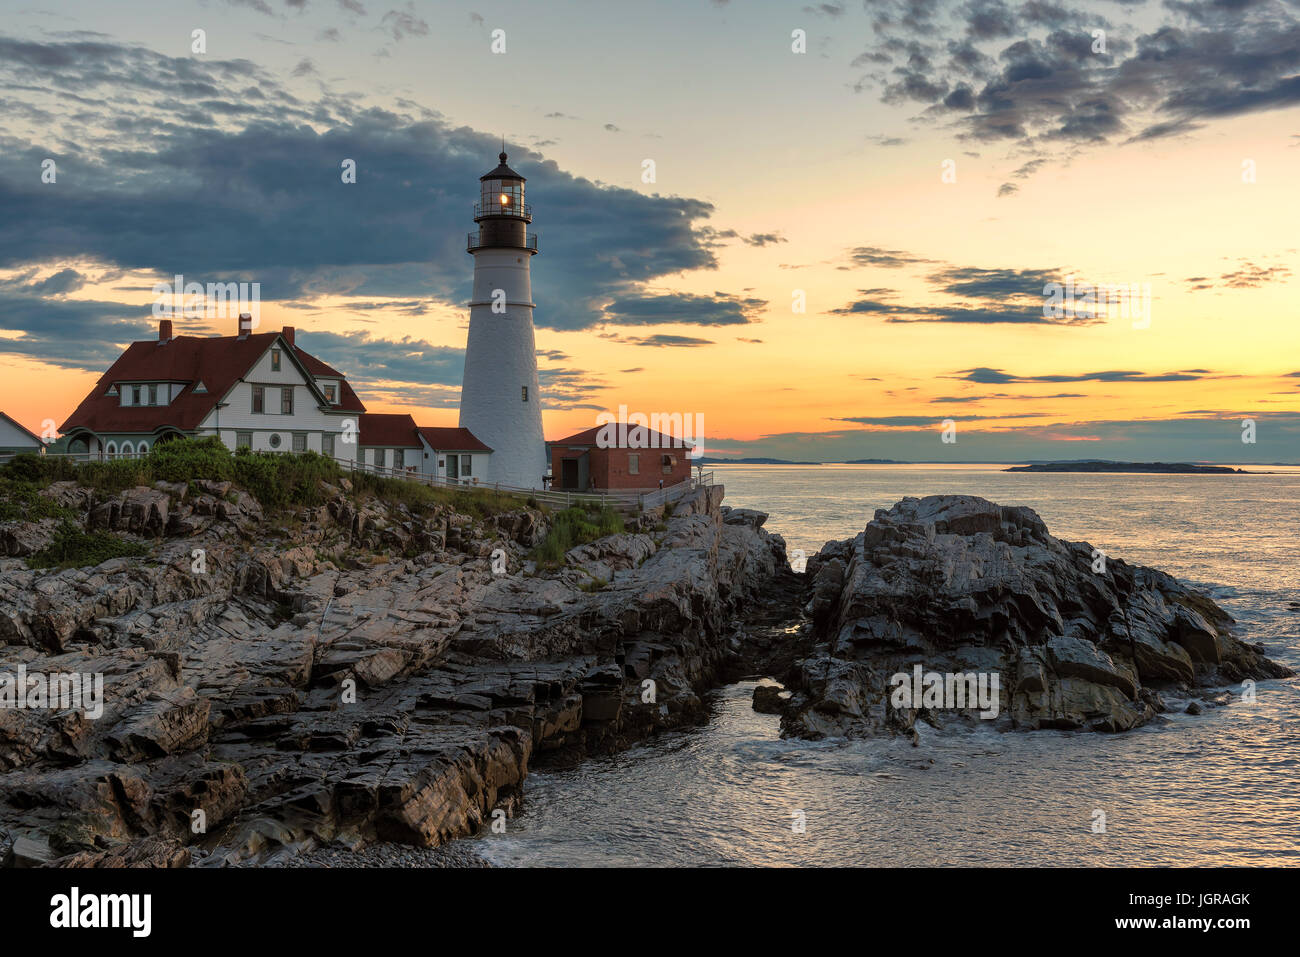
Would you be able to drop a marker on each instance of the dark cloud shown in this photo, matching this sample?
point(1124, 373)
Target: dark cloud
point(211, 169)
point(719, 309)
point(368, 360)
point(70, 333)
point(998, 377)
point(826, 9)
point(888, 258)
point(400, 24)
point(1036, 70)
point(667, 340)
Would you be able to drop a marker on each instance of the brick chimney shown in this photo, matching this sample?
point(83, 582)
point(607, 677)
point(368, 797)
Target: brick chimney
point(245, 324)
point(164, 330)
point(287, 333)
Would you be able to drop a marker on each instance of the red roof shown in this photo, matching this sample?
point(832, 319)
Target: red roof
point(219, 362)
point(644, 438)
point(452, 440)
point(389, 429)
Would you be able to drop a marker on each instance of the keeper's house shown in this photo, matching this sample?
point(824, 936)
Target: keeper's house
point(394, 441)
point(257, 390)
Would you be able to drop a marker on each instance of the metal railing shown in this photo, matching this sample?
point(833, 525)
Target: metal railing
point(475, 241)
point(513, 210)
point(629, 500)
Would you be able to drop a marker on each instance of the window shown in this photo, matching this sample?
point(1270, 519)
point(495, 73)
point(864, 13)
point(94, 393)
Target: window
point(633, 463)
point(112, 449)
point(275, 360)
point(397, 458)
point(135, 395)
point(259, 399)
point(243, 440)
point(143, 448)
point(286, 400)
point(524, 390)
point(327, 445)
point(300, 441)
point(329, 394)
point(275, 440)
point(127, 449)
point(153, 395)
point(381, 458)
point(465, 462)
point(668, 463)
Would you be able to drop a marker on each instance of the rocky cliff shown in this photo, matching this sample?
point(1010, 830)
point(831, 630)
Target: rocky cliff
point(354, 672)
point(962, 586)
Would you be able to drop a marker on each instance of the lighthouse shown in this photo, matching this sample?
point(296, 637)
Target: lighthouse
point(498, 397)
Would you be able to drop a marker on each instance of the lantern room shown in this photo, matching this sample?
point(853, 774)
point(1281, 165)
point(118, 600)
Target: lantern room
point(501, 193)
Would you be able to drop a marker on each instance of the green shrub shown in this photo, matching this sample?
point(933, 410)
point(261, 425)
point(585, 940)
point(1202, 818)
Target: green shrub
point(22, 500)
point(73, 548)
point(575, 526)
point(275, 480)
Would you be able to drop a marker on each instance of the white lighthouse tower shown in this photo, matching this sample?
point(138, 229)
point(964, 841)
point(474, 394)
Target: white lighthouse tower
point(498, 397)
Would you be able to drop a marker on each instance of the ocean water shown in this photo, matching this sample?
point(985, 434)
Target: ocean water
point(1221, 788)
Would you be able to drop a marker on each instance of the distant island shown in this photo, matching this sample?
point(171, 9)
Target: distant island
point(707, 460)
point(1093, 465)
point(875, 462)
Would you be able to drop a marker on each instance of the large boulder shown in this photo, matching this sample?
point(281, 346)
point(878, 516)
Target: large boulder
point(963, 586)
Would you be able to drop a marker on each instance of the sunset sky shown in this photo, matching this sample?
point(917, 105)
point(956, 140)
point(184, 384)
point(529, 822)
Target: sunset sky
point(1170, 159)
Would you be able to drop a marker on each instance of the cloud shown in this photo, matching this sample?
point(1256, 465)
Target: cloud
point(259, 5)
point(70, 333)
point(998, 377)
point(826, 9)
point(369, 360)
point(764, 239)
point(886, 258)
point(244, 183)
point(666, 340)
point(400, 24)
point(1036, 71)
point(719, 309)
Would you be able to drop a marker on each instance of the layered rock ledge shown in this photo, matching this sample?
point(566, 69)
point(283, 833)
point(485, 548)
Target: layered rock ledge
point(960, 585)
point(344, 674)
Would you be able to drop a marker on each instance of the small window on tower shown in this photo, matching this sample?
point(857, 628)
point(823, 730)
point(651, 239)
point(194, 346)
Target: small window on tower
point(524, 390)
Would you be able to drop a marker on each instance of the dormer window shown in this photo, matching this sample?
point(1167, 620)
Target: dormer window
point(275, 360)
point(329, 395)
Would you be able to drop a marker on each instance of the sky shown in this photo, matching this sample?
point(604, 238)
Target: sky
point(829, 230)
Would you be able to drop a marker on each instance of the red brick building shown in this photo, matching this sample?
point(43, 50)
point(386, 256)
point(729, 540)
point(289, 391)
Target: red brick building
point(580, 463)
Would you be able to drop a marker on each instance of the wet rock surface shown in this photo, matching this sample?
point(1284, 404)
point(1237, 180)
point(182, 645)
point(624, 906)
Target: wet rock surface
point(348, 676)
point(960, 585)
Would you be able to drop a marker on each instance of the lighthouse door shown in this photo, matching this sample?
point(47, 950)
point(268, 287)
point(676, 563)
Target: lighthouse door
point(452, 462)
